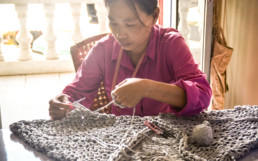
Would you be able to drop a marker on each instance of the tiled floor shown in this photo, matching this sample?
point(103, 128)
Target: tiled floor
point(25, 97)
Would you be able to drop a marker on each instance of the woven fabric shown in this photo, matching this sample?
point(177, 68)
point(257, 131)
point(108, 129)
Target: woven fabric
point(87, 135)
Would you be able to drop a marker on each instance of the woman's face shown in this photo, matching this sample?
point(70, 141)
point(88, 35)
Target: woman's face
point(128, 30)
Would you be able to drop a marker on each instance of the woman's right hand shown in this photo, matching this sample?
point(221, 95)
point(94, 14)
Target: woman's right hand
point(59, 107)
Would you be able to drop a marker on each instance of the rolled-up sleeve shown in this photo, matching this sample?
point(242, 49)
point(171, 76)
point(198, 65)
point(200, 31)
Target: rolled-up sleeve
point(190, 78)
point(88, 77)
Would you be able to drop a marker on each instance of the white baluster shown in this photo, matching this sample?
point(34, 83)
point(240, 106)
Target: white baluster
point(24, 38)
point(76, 13)
point(50, 35)
point(1, 53)
point(102, 15)
point(183, 26)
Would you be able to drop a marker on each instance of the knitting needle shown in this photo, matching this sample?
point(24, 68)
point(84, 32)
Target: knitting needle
point(75, 102)
point(113, 101)
point(104, 106)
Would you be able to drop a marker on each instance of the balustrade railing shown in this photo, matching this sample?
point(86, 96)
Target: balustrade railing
point(183, 26)
point(24, 37)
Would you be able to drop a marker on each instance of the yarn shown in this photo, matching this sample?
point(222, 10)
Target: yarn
point(88, 135)
point(111, 102)
point(120, 145)
point(202, 134)
point(115, 103)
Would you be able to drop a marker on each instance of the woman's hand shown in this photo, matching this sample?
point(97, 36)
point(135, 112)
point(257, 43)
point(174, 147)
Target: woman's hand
point(129, 92)
point(59, 107)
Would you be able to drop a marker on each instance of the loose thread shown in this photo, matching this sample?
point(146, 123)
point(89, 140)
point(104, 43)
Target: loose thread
point(111, 102)
point(121, 145)
point(104, 106)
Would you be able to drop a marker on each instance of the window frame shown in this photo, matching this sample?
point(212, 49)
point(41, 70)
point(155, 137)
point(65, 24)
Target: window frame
point(171, 19)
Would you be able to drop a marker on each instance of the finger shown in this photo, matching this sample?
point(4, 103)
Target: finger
point(116, 102)
point(57, 109)
point(121, 83)
point(130, 106)
point(56, 115)
point(119, 103)
point(56, 112)
point(62, 98)
point(128, 102)
point(60, 105)
point(122, 105)
point(113, 94)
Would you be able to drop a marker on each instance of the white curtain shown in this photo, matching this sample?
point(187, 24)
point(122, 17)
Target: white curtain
point(240, 25)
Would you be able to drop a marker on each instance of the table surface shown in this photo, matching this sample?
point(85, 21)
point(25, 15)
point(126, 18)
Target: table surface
point(14, 149)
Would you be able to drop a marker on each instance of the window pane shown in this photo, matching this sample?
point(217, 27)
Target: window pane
point(190, 25)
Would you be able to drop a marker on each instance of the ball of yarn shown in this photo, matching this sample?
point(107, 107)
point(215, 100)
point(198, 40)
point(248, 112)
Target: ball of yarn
point(202, 134)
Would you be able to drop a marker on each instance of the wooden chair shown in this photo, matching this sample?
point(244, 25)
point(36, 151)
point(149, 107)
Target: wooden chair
point(78, 52)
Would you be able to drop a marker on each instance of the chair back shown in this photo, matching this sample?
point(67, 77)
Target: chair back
point(81, 49)
point(78, 53)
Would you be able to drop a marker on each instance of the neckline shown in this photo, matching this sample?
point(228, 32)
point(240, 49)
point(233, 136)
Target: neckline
point(118, 63)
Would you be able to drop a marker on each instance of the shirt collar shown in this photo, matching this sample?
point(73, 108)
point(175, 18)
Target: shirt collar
point(151, 49)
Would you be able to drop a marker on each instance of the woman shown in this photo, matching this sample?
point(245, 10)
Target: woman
point(167, 80)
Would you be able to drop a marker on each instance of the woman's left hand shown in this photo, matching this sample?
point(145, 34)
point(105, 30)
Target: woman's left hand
point(129, 92)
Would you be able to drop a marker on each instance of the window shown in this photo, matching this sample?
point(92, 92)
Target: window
point(193, 19)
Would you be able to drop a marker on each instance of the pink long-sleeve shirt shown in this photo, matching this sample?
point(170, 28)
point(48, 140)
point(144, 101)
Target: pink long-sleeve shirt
point(168, 59)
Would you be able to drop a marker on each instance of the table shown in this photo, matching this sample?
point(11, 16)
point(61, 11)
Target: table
point(14, 149)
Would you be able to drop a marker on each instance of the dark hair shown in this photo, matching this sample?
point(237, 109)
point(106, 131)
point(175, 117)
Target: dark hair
point(148, 6)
